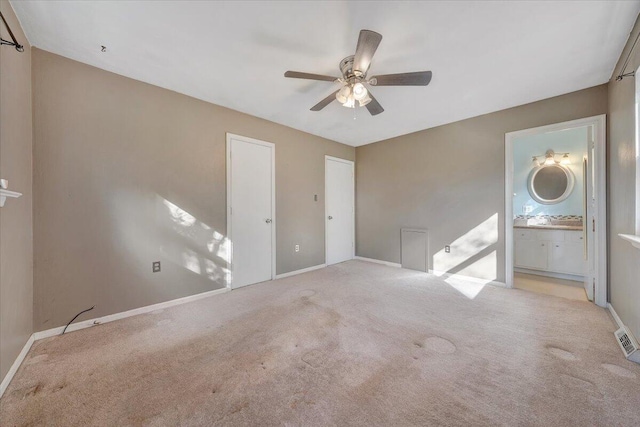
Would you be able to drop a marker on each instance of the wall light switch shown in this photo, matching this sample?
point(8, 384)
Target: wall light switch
point(315, 197)
point(297, 248)
point(156, 266)
point(447, 249)
point(527, 209)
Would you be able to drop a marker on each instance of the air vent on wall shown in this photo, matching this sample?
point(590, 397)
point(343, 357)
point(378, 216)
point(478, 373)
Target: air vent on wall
point(628, 344)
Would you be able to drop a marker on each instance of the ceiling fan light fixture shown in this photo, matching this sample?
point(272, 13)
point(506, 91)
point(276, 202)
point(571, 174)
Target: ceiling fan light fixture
point(343, 94)
point(359, 91)
point(351, 102)
point(364, 101)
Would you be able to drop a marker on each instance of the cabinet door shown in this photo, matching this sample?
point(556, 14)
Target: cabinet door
point(566, 257)
point(522, 234)
point(531, 254)
point(573, 236)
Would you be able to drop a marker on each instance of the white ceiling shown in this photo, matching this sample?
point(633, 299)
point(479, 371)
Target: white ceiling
point(485, 56)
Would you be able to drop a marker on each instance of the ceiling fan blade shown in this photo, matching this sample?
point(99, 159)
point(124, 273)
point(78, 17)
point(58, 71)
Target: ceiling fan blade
point(309, 76)
point(328, 100)
point(419, 78)
point(374, 106)
point(367, 44)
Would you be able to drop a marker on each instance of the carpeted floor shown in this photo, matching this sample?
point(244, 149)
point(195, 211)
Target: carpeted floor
point(352, 344)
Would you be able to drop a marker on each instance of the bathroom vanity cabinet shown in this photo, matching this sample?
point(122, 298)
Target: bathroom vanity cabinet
point(549, 250)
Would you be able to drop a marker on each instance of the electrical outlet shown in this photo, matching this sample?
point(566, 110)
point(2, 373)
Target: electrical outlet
point(155, 266)
point(297, 248)
point(447, 249)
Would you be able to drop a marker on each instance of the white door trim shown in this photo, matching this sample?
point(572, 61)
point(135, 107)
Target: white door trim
point(600, 246)
point(271, 145)
point(353, 207)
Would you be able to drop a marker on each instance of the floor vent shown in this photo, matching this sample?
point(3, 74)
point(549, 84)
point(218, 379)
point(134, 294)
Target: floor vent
point(628, 344)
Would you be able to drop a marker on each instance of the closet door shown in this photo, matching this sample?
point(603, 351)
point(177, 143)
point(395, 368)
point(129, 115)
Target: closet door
point(339, 209)
point(251, 190)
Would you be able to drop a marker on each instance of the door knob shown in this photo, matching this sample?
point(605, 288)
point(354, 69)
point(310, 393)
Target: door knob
point(330, 217)
point(268, 220)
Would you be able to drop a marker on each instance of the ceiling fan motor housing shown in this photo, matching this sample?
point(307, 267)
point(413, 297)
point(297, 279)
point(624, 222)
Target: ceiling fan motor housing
point(349, 74)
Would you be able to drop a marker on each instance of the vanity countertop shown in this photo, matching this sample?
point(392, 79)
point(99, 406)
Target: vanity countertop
point(551, 227)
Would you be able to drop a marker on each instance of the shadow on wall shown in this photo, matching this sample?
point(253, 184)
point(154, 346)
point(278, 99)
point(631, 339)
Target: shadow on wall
point(202, 251)
point(472, 255)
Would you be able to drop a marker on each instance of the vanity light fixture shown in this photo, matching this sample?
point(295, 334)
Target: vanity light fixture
point(550, 159)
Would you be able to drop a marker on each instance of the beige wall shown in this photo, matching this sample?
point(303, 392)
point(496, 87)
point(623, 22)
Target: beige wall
point(16, 231)
point(127, 173)
point(624, 259)
point(450, 180)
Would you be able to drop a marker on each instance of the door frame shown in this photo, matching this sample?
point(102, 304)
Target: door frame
point(353, 207)
point(272, 146)
point(600, 190)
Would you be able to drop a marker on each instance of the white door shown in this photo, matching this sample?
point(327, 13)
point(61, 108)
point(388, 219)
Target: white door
point(339, 208)
point(588, 222)
point(251, 225)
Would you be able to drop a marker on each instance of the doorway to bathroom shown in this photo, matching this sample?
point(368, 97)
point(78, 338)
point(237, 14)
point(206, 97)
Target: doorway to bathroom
point(555, 209)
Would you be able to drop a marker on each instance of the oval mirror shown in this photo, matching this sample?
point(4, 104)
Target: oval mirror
point(550, 184)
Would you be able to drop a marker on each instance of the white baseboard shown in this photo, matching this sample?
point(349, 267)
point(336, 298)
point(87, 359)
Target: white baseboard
point(635, 356)
point(469, 278)
point(117, 316)
point(97, 321)
point(615, 315)
point(16, 364)
point(302, 270)
point(378, 261)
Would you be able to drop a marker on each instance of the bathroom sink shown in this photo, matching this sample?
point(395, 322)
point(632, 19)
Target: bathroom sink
point(536, 222)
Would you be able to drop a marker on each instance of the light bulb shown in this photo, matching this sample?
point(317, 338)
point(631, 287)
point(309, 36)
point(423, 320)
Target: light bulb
point(549, 160)
point(535, 162)
point(565, 160)
point(350, 103)
point(343, 94)
point(359, 91)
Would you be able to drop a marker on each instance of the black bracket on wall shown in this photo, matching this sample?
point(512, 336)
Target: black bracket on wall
point(622, 74)
point(14, 42)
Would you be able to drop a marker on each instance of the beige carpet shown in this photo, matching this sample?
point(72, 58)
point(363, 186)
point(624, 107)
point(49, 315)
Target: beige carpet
point(352, 344)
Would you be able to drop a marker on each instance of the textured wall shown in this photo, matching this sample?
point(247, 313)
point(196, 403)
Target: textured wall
point(127, 173)
point(450, 179)
point(624, 259)
point(16, 230)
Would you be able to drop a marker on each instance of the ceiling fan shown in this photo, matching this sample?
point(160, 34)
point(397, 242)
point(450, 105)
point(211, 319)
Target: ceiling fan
point(354, 70)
